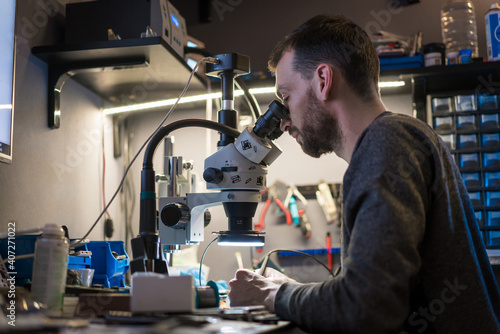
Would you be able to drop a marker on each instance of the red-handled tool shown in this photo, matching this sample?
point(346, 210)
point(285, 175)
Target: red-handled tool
point(329, 250)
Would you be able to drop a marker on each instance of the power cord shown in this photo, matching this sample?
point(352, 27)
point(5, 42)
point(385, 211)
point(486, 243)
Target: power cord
point(203, 256)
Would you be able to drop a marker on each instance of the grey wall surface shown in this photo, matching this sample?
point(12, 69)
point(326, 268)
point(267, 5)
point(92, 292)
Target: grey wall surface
point(253, 27)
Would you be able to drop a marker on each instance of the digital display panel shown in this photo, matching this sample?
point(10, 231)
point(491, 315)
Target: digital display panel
point(7, 65)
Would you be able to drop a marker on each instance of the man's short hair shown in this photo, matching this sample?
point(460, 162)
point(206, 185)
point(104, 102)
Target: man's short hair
point(337, 41)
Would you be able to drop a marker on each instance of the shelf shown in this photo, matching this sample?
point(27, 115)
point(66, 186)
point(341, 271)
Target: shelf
point(453, 77)
point(122, 72)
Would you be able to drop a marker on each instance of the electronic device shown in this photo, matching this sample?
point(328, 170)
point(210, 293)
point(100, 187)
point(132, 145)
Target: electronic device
point(7, 70)
point(127, 19)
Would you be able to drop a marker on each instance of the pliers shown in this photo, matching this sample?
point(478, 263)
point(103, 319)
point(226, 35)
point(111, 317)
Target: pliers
point(260, 225)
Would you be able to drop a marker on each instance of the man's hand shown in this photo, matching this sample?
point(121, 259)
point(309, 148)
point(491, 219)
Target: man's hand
point(249, 288)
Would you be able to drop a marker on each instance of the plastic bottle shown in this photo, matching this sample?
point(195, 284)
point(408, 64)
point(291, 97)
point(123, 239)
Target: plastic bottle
point(458, 26)
point(50, 267)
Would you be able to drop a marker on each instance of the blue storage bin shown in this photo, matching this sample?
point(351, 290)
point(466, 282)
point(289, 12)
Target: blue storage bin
point(475, 198)
point(491, 159)
point(468, 141)
point(492, 179)
point(493, 218)
point(493, 198)
point(442, 104)
point(465, 102)
point(479, 217)
point(110, 262)
point(470, 160)
point(466, 122)
point(492, 238)
point(490, 139)
point(472, 179)
point(25, 244)
point(489, 121)
point(444, 123)
point(488, 102)
point(449, 140)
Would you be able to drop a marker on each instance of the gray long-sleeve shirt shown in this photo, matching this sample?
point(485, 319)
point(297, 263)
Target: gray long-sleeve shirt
point(413, 260)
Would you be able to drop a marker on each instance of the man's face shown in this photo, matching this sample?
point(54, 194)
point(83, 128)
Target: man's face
point(314, 127)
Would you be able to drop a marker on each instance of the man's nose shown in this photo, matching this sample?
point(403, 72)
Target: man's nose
point(285, 124)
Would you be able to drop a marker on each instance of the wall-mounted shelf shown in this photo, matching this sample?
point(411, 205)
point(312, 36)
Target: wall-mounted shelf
point(122, 71)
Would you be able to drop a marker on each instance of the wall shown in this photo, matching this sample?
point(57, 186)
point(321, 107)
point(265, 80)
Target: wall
point(253, 27)
point(55, 176)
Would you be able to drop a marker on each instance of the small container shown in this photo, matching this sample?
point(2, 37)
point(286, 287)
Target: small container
point(490, 140)
point(470, 160)
point(449, 140)
point(452, 58)
point(492, 218)
point(479, 217)
point(465, 56)
point(50, 268)
point(491, 159)
point(468, 141)
point(492, 238)
point(488, 101)
point(443, 123)
point(442, 104)
point(492, 179)
point(472, 179)
point(492, 198)
point(475, 198)
point(465, 102)
point(434, 54)
point(489, 121)
point(492, 21)
point(466, 122)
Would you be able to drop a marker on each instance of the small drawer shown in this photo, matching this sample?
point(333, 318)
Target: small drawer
point(476, 198)
point(490, 140)
point(489, 121)
point(468, 141)
point(492, 238)
point(491, 159)
point(492, 179)
point(466, 122)
point(442, 104)
point(444, 123)
point(469, 160)
point(465, 102)
point(472, 179)
point(492, 198)
point(479, 217)
point(492, 218)
point(488, 102)
point(449, 140)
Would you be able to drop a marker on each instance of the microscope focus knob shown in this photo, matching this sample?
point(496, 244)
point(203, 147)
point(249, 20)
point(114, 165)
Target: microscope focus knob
point(213, 175)
point(175, 215)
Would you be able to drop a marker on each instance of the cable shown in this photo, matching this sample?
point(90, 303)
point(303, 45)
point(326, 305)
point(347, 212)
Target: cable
point(19, 257)
point(74, 243)
point(266, 260)
point(203, 256)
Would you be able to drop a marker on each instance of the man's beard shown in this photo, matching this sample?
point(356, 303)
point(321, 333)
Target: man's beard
point(321, 132)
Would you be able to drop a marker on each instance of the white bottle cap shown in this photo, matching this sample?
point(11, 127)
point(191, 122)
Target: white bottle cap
point(495, 6)
point(53, 229)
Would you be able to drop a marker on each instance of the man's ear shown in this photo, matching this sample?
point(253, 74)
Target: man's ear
point(324, 74)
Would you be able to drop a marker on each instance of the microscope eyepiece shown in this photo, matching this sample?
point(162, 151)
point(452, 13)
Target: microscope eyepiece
point(268, 125)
